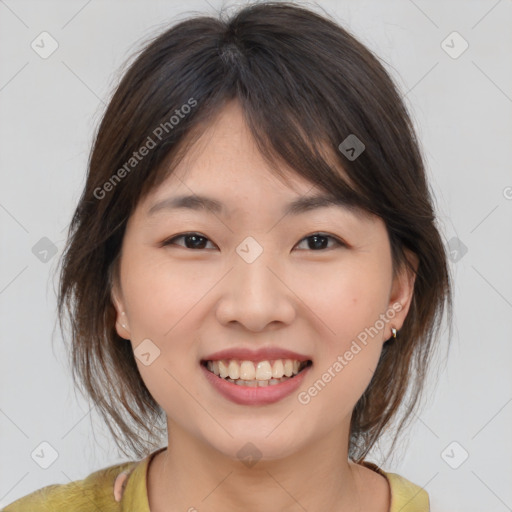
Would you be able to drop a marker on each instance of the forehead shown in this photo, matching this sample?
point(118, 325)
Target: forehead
point(221, 170)
point(225, 161)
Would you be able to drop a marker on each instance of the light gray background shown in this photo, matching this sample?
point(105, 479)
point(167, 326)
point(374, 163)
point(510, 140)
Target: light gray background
point(462, 107)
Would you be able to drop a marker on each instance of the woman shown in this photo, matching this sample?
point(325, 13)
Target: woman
point(198, 291)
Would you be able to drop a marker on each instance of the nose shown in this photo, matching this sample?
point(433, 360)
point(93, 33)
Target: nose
point(255, 295)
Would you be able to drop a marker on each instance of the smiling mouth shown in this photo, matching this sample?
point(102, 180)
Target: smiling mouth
point(256, 374)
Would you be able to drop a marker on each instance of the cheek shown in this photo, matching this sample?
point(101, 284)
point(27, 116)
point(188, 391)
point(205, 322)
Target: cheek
point(349, 306)
point(347, 300)
point(162, 304)
point(350, 348)
point(159, 295)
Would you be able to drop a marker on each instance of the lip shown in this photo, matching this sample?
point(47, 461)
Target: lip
point(262, 354)
point(244, 395)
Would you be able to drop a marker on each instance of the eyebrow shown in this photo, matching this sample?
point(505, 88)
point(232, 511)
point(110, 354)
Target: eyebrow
point(209, 204)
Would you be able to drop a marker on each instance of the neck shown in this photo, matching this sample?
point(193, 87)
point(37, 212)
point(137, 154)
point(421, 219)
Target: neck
point(191, 475)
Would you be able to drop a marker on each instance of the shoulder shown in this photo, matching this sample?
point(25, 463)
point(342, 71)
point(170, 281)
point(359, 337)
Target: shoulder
point(94, 492)
point(405, 496)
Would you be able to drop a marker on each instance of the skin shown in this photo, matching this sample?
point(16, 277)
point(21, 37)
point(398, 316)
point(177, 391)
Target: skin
point(192, 302)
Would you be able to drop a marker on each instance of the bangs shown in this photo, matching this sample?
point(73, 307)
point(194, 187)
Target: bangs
point(283, 141)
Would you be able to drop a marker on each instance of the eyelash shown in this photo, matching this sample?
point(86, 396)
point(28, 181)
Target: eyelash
point(170, 241)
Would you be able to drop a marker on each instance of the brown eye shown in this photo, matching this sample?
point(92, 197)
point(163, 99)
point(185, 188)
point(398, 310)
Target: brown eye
point(319, 241)
point(192, 241)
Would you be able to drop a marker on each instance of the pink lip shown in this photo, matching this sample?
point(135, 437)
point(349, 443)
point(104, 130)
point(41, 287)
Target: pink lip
point(244, 395)
point(263, 354)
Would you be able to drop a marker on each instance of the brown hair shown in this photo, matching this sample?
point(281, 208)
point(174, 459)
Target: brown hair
point(304, 84)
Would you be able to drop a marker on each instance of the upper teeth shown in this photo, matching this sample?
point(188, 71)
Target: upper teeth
point(247, 370)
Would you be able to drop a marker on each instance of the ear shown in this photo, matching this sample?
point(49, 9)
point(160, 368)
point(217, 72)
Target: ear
point(402, 291)
point(122, 326)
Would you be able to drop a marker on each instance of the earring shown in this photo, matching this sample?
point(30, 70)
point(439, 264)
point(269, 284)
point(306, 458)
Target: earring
point(393, 331)
point(124, 325)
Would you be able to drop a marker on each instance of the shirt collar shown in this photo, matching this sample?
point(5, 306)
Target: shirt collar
point(135, 495)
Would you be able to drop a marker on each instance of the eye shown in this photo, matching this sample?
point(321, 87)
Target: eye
point(318, 241)
point(192, 240)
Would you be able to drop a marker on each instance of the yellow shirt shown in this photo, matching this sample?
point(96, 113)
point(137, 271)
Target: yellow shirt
point(127, 483)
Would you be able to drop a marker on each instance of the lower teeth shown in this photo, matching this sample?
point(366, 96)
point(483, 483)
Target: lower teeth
point(257, 383)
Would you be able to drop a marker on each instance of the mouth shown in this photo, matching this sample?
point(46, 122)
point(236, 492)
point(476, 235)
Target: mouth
point(270, 372)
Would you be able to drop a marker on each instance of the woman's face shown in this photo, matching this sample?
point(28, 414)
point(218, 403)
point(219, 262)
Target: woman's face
point(254, 279)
